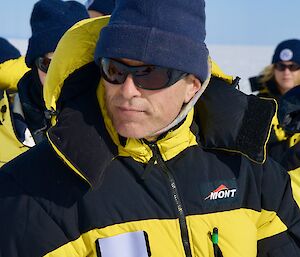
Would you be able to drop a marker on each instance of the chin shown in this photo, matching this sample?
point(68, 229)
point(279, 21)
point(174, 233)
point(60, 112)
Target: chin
point(131, 135)
point(131, 132)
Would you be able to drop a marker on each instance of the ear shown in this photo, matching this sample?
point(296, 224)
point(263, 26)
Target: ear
point(193, 86)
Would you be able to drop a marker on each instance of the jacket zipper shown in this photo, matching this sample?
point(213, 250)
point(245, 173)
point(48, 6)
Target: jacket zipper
point(181, 215)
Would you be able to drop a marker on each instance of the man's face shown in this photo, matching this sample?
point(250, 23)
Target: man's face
point(138, 113)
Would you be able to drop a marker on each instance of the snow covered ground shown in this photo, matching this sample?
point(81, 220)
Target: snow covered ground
point(241, 60)
point(21, 44)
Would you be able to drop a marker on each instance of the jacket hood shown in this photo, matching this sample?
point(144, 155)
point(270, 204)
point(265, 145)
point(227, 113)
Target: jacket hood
point(68, 59)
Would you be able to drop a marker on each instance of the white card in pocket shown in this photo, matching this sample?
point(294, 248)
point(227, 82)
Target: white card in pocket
point(131, 244)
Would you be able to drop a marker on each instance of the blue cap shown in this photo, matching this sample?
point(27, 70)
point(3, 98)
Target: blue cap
point(168, 33)
point(50, 19)
point(288, 50)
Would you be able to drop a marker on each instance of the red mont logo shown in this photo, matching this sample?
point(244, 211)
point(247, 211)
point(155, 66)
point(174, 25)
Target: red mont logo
point(221, 192)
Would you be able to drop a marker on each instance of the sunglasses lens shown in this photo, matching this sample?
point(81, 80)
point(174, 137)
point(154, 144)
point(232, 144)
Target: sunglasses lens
point(112, 71)
point(151, 77)
point(43, 63)
point(292, 67)
point(280, 66)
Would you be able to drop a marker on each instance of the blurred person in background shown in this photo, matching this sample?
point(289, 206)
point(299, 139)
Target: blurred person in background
point(276, 79)
point(288, 151)
point(282, 74)
point(98, 8)
point(50, 19)
point(10, 144)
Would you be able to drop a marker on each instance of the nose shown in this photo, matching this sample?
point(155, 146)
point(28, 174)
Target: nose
point(287, 70)
point(128, 88)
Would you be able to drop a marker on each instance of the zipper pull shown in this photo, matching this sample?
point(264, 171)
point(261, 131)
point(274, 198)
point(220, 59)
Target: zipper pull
point(215, 241)
point(152, 161)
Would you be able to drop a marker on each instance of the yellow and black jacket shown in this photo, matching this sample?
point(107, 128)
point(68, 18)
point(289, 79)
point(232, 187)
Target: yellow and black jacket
point(10, 73)
point(10, 145)
point(86, 183)
point(291, 162)
point(279, 141)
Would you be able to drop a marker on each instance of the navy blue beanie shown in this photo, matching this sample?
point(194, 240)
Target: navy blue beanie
point(288, 50)
point(168, 33)
point(103, 6)
point(7, 51)
point(50, 19)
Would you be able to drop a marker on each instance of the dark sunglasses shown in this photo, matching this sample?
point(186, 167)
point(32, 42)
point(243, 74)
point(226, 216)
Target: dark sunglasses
point(43, 63)
point(292, 67)
point(149, 77)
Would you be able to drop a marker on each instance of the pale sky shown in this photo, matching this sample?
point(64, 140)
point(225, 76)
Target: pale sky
point(246, 22)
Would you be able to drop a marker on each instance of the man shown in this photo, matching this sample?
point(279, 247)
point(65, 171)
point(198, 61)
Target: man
point(49, 20)
point(136, 164)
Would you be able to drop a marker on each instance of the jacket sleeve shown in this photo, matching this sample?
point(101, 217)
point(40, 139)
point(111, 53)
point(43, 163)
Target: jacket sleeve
point(26, 229)
point(11, 72)
point(279, 225)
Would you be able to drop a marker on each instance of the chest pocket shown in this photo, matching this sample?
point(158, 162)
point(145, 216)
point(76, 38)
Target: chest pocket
point(132, 244)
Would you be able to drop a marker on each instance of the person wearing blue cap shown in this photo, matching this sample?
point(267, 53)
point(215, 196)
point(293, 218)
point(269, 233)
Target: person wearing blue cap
point(282, 74)
point(49, 20)
point(151, 153)
point(276, 79)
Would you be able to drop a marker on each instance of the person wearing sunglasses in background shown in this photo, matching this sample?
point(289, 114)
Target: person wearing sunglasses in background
point(50, 19)
point(282, 74)
point(151, 153)
point(276, 79)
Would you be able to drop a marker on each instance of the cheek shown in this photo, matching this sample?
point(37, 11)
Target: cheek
point(170, 104)
point(297, 78)
point(42, 76)
point(108, 99)
point(276, 74)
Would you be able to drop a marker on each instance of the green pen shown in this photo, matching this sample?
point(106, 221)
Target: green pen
point(215, 241)
point(215, 236)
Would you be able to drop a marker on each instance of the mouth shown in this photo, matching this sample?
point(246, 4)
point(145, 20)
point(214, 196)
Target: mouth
point(129, 109)
point(287, 79)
